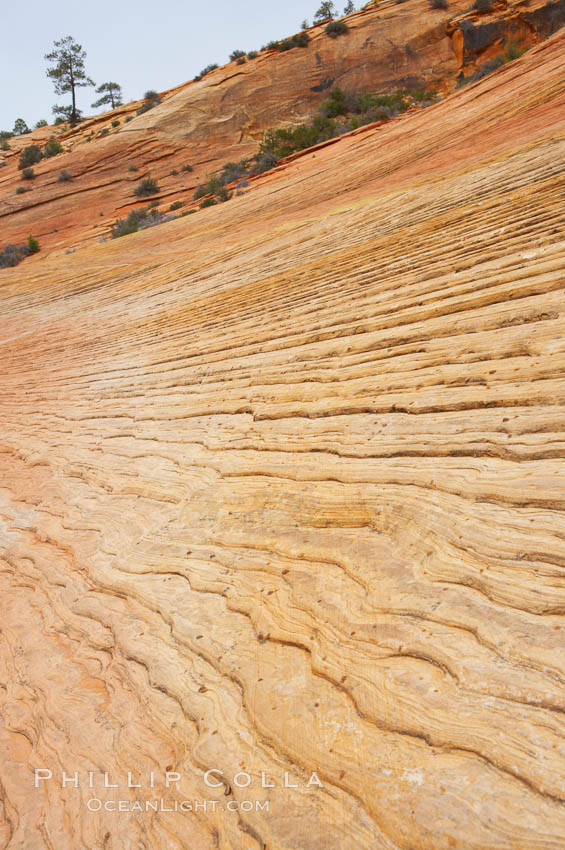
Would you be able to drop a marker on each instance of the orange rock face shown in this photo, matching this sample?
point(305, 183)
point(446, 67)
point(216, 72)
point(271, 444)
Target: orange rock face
point(224, 116)
point(281, 498)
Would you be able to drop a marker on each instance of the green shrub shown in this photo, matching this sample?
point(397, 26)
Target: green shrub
point(241, 61)
point(187, 212)
point(336, 104)
point(215, 183)
point(264, 162)
point(212, 185)
point(395, 102)
point(513, 51)
point(438, 4)
point(125, 226)
point(11, 255)
point(205, 71)
point(365, 101)
point(233, 171)
point(300, 40)
point(482, 5)
point(423, 95)
point(137, 220)
point(29, 156)
point(176, 205)
point(489, 66)
point(148, 186)
point(336, 28)
point(52, 148)
point(283, 142)
point(208, 202)
point(174, 173)
point(237, 54)
point(151, 99)
point(186, 167)
point(129, 118)
point(103, 132)
point(64, 177)
point(133, 168)
point(33, 245)
point(252, 54)
point(115, 123)
point(272, 45)
point(28, 173)
point(21, 189)
point(4, 145)
point(341, 113)
point(41, 123)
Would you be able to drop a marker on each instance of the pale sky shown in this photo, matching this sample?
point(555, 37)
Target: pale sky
point(141, 44)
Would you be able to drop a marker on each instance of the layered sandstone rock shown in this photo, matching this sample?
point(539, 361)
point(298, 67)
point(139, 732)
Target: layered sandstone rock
point(281, 492)
point(224, 116)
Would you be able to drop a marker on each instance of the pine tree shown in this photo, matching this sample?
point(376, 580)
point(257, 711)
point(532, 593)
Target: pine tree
point(20, 127)
point(68, 74)
point(65, 113)
point(326, 10)
point(111, 95)
point(33, 245)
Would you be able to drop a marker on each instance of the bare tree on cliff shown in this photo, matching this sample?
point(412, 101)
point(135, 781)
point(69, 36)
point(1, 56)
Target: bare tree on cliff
point(68, 74)
point(111, 95)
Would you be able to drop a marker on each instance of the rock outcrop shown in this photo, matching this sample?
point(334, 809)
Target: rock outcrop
point(282, 492)
point(224, 116)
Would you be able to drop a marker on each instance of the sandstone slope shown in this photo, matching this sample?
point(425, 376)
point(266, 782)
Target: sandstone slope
point(224, 116)
point(282, 490)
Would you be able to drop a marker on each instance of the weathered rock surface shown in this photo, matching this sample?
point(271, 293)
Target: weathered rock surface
point(224, 116)
point(282, 490)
